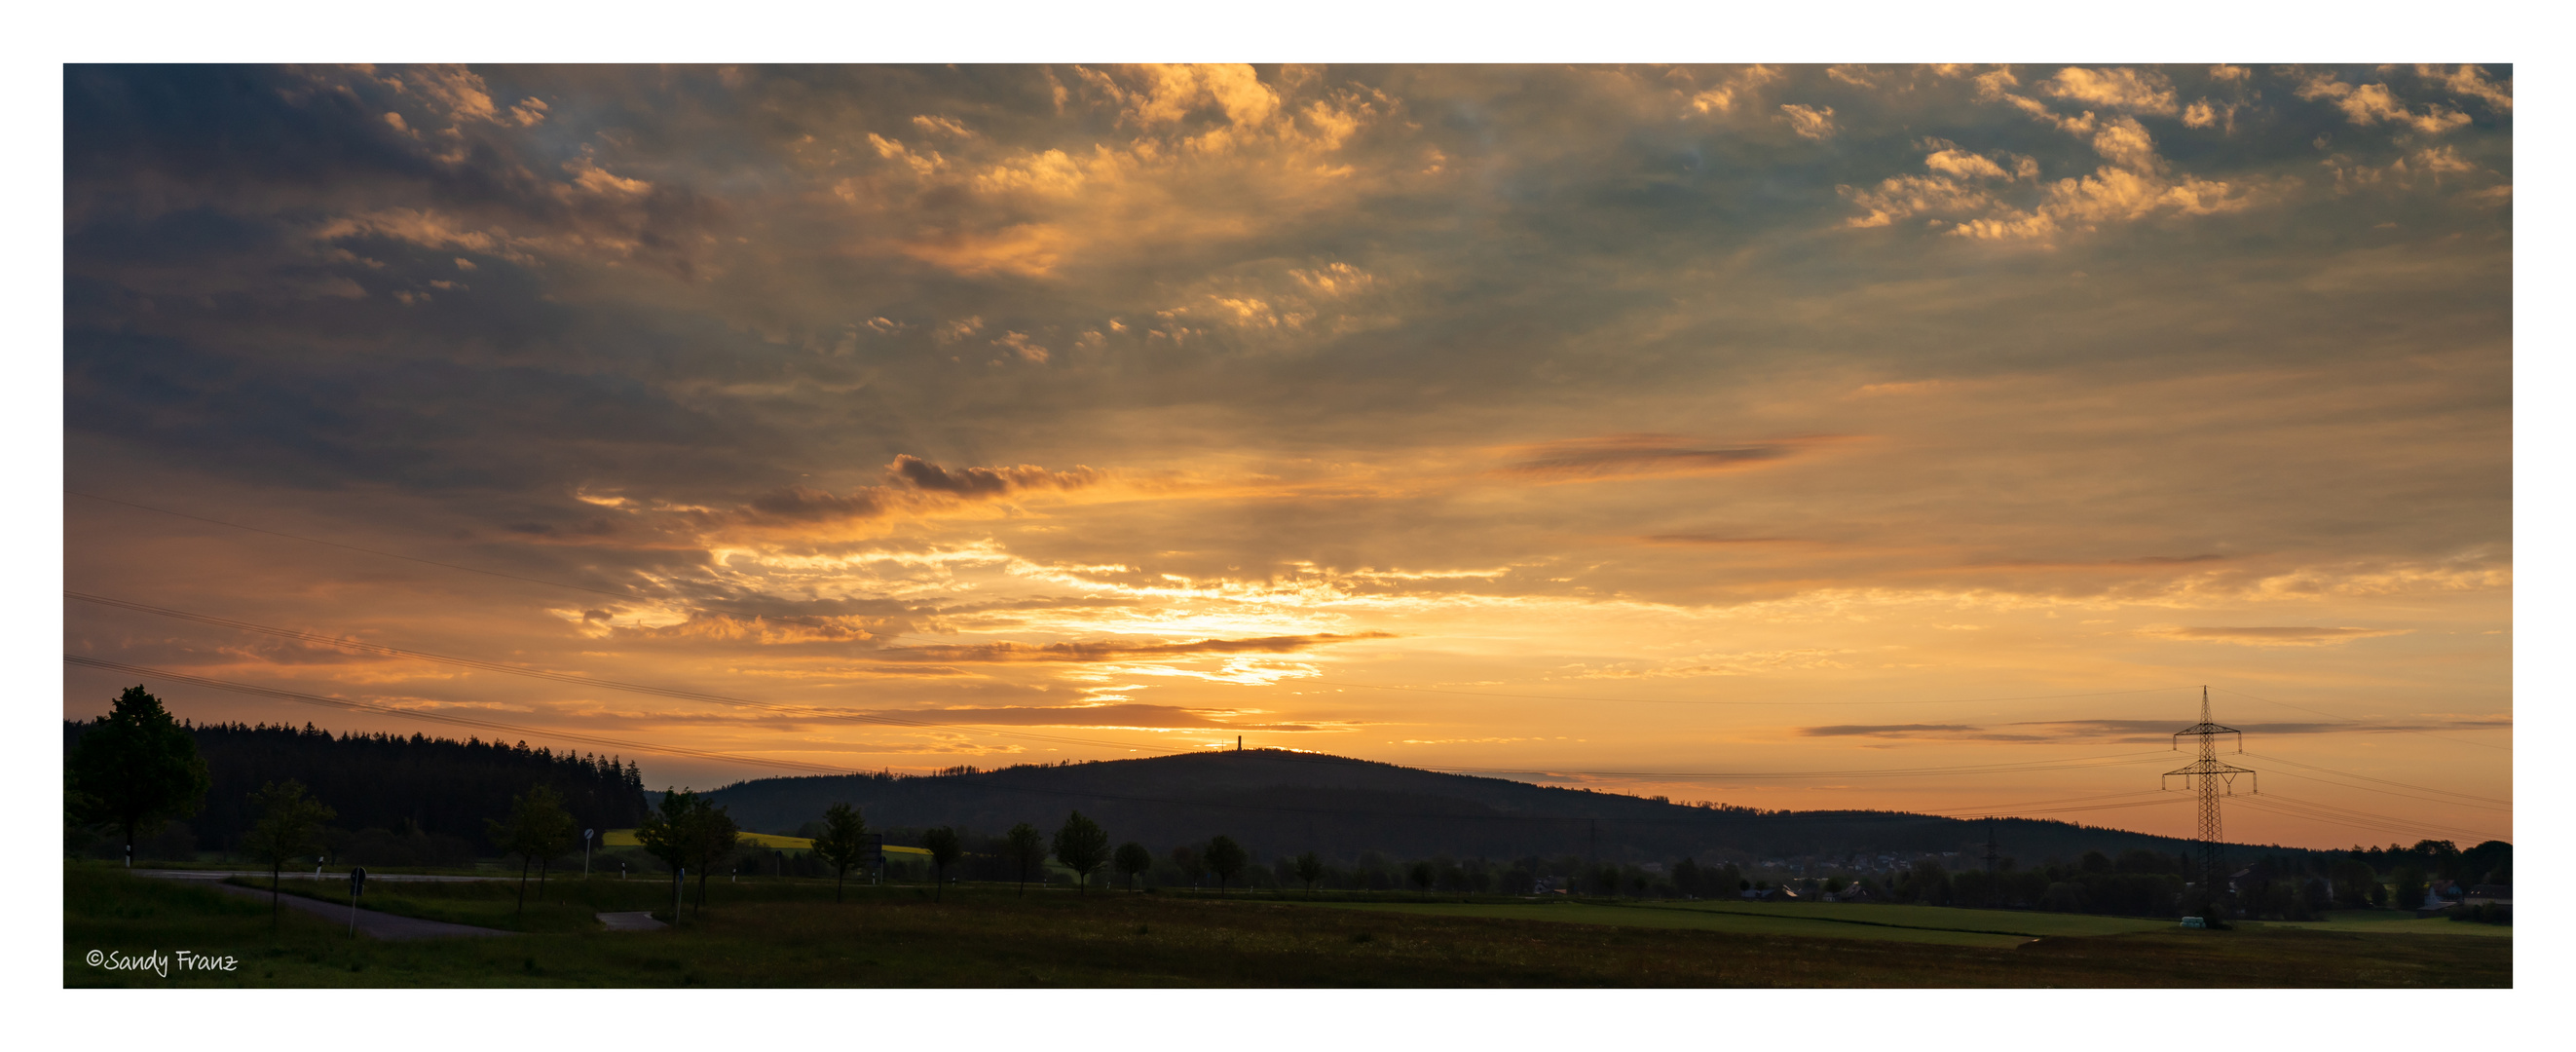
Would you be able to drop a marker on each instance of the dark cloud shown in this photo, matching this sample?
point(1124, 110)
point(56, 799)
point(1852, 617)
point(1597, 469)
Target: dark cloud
point(1885, 729)
point(1115, 714)
point(912, 480)
point(1639, 455)
point(987, 482)
point(2124, 731)
point(1923, 731)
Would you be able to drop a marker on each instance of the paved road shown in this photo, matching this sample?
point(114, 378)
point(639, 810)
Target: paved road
point(379, 925)
point(640, 920)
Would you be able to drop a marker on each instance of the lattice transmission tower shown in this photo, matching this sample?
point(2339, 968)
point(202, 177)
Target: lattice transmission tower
point(2214, 778)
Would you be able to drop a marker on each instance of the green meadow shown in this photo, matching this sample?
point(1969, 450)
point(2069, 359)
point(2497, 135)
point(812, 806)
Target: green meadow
point(790, 933)
point(1928, 924)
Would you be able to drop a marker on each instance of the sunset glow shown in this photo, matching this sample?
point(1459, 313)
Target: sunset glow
point(1913, 438)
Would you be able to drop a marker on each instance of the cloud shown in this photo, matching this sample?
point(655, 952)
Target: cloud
point(1934, 731)
point(2122, 89)
point(1810, 122)
point(2471, 82)
point(2374, 103)
point(1319, 340)
point(1111, 716)
point(917, 485)
point(2126, 732)
point(989, 482)
point(2275, 636)
point(1095, 652)
point(1723, 96)
point(1638, 455)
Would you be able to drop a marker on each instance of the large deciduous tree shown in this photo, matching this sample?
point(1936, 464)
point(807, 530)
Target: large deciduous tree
point(289, 826)
point(843, 845)
point(1225, 858)
point(1026, 849)
point(538, 830)
point(136, 768)
point(1082, 846)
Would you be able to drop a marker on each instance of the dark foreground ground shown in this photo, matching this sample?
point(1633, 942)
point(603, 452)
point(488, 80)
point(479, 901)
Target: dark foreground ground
point(792, 934)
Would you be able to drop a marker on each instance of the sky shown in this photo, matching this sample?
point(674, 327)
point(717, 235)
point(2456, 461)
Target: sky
point(1792, 436)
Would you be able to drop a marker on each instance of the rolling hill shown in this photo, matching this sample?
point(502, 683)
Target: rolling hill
point(1276, 801)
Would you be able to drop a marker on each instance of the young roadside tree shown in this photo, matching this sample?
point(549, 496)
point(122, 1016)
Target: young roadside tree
point(1133, 859)
point(714, 837)
point(135, 768)
point(1310, 869)
point(689, 832)
point(665, 836)
point(289, 826)
point(1190, 862)
point(1422, 875)
point(538, 830)
point(942, 845)
point(1082, 846)
point(1225, 858)
point(1026, 849)
point(843, 843)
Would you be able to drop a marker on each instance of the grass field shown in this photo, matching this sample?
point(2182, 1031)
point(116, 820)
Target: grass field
point(1931, 924)
point(2393, 922)
point(789, 933)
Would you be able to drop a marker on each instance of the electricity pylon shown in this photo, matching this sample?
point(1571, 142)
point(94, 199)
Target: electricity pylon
point(2216, 778)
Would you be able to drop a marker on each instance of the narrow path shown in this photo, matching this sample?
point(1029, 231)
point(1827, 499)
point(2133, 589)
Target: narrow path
point(219, 874)
point(379, 925)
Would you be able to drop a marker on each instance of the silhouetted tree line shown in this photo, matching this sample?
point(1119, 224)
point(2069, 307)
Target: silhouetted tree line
point(2488, 863)
point(399, 800)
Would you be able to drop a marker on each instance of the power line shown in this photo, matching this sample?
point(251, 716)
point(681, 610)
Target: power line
point(2382, 781)
point(2317, 809)
point(2070, 763)
point(2292, 808)
point(2168, 799)
point(2365, 723)
point(2411, 796)
point(1986, 808)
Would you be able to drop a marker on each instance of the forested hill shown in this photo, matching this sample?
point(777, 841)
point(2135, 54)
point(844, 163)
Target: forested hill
point(419, 786)
point(1275, 801)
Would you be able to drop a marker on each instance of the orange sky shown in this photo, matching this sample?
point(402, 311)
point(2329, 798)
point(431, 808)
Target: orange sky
point(1739, 434)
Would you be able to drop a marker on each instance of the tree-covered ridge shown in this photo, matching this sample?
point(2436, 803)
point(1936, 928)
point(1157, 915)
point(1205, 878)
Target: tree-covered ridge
point(416, 787)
